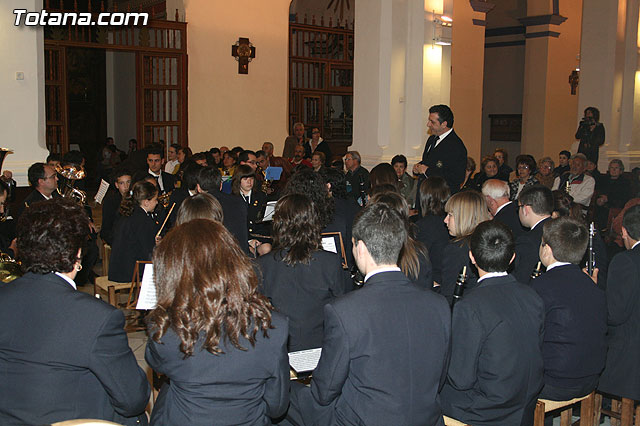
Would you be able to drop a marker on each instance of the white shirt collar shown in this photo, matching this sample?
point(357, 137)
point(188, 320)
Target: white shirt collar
point(502, 206)
point(634, 246)
point(155, 174)
point(377, 271)
point(45, 197)
point(67, 279)
point(536, 224)
point(556, 264)
point(492, 275)
point(192, 193)
point(442, 136)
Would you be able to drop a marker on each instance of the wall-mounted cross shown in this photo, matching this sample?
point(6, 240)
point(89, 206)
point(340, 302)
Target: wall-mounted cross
point(244, 52)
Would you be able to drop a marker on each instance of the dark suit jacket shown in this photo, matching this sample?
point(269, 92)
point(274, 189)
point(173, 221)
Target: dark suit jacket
point(133, 239)
point(64, 355)
point(301, 291)
point(380, 365)
point(528, 253)
point(168, 181)
point(508, 215)
point(621, 375)
point(255, 213)
point(456, 255)
point(290, 145)
point(353, 179)
point(575, 327)
point(448, 159)
point(237, 387)
point(235, 217)
point(110, 207)
point(177, 196)
point(496, 365)
point(34, 197)
point(432, 232)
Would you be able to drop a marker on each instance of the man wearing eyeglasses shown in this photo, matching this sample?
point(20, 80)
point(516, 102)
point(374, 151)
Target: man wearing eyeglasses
point(44, 180)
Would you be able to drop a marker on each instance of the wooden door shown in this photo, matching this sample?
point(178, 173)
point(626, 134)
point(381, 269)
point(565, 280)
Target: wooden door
point(55, 83)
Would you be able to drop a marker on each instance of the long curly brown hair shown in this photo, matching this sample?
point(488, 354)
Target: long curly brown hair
point(296, 229)
point(207, 288)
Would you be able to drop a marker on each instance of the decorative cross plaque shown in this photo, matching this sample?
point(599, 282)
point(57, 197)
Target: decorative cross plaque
point(244, 52)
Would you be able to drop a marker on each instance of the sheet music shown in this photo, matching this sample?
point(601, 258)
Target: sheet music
point(329, 244)
point(273, 173)
point(306, 360)
point(148, 298)
point(102, 191)
point(268, 211)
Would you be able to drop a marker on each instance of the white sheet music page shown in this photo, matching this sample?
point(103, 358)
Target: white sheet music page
point(329, 244)
point(306, 360)
point(269, 210)
point(148, 298)
point(102, 191)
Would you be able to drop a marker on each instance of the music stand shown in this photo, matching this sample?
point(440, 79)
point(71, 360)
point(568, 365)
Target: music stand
point(132, 301)
point(337, 237)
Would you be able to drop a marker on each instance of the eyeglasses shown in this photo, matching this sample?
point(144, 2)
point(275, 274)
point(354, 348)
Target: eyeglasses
point(522, 166)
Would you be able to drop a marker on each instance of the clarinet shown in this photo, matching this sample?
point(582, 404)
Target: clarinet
point(591, 263)
point(363, 194)
point(356, 276)
point(537, 271)
point(567, 187)
point(459, 288)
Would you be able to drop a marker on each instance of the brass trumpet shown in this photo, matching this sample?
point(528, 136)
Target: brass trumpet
point(9, 268)
point(72, 174)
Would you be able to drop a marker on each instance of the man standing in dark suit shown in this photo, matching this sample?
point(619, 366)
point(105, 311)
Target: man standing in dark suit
point(535, 205)
point(496, 365)
point(621, 375)
point(496, 192)
point(166, 181)
point(385, 347)
point(575, 326)
point(233, 207)
point(444, 153)
point(63, 353)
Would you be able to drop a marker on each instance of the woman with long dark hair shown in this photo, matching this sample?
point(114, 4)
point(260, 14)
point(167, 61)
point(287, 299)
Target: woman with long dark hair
point(213, 334)
point(134, 233)
point(298, 276)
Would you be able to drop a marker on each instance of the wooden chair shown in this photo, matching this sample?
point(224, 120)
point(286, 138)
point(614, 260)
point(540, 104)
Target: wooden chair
point(621, 413)
point(587, 407)
point(108, 288)
point(106, 254)
point(448, 421)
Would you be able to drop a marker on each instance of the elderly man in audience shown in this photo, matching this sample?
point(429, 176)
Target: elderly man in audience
point(63, 353)
point(385, 346)
point(298, 157)
point(621, 375)
point(496, 365)
point(496, 193)
point(298, 138)
point(357, 177)
point(575, 325)
point(576, 183)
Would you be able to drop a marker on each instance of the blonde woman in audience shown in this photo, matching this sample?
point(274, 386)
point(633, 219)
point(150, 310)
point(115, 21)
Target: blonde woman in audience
point(545, 172)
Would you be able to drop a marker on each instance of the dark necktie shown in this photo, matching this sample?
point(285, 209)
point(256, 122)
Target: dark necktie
point(433, 144)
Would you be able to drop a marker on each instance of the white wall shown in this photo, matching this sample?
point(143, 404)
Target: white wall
point(121, 97)
point(22, 109)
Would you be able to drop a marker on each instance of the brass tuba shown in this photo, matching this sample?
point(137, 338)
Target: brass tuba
point(72, 173)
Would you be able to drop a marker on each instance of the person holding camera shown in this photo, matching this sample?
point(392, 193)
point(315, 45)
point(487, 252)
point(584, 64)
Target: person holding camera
point(591, 134)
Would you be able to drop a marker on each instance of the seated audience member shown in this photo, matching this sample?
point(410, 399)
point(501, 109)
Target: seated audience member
point(213, 334)
point(504, 170)
point(468, 172)
point(298, 276)
point(535, 206)
point(496, 193)
point(496, 366)
point(525, 168)
point(172, 159)
point(297, 139)
point(111, 204)
point(209, 180)
point(317, 161)
point(613, 191)
point(545, 172)
point(338, 165)
point(166, 181)
point(183, 153)
point(64, 353)
point(243, 184)
point(580, 185)
point(248, 158)
point(575, 326)
point(591, 169)
point(563, 163)
point(357, 176)
point(563, 206)
point(200, 206)
point(200, 159)
point(228, 163)
point(298, 157)
point(385, 348)
point(414, 261)
point(134, 234)
point(406, 183)
point(432, 232)
point(318, 144)
point(217, 157)
point(621, 375)
point(488, 170)
point(382, 174)
point(465, 210)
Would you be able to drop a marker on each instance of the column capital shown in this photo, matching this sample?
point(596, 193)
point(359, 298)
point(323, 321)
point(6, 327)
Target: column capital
point(553, 19)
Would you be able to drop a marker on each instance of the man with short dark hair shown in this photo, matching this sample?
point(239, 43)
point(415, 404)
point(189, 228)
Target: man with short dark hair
point(298, 157)
point(248, 157)
point(166, 181)
point(563, 163)
point(44, 181)
point(535, 205)
point(496, 367)
point(385, 347)
point(621, 375)
point(575, 326)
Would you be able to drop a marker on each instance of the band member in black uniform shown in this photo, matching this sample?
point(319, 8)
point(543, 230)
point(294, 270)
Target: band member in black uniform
point(243, 185)
point(111, 204)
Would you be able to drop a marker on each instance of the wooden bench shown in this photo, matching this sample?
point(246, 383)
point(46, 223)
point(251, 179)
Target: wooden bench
point(587, 409)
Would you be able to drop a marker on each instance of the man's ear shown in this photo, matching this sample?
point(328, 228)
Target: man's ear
point(199, 188)
point(625, 234)
point(473, 259)
point(513, 257)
